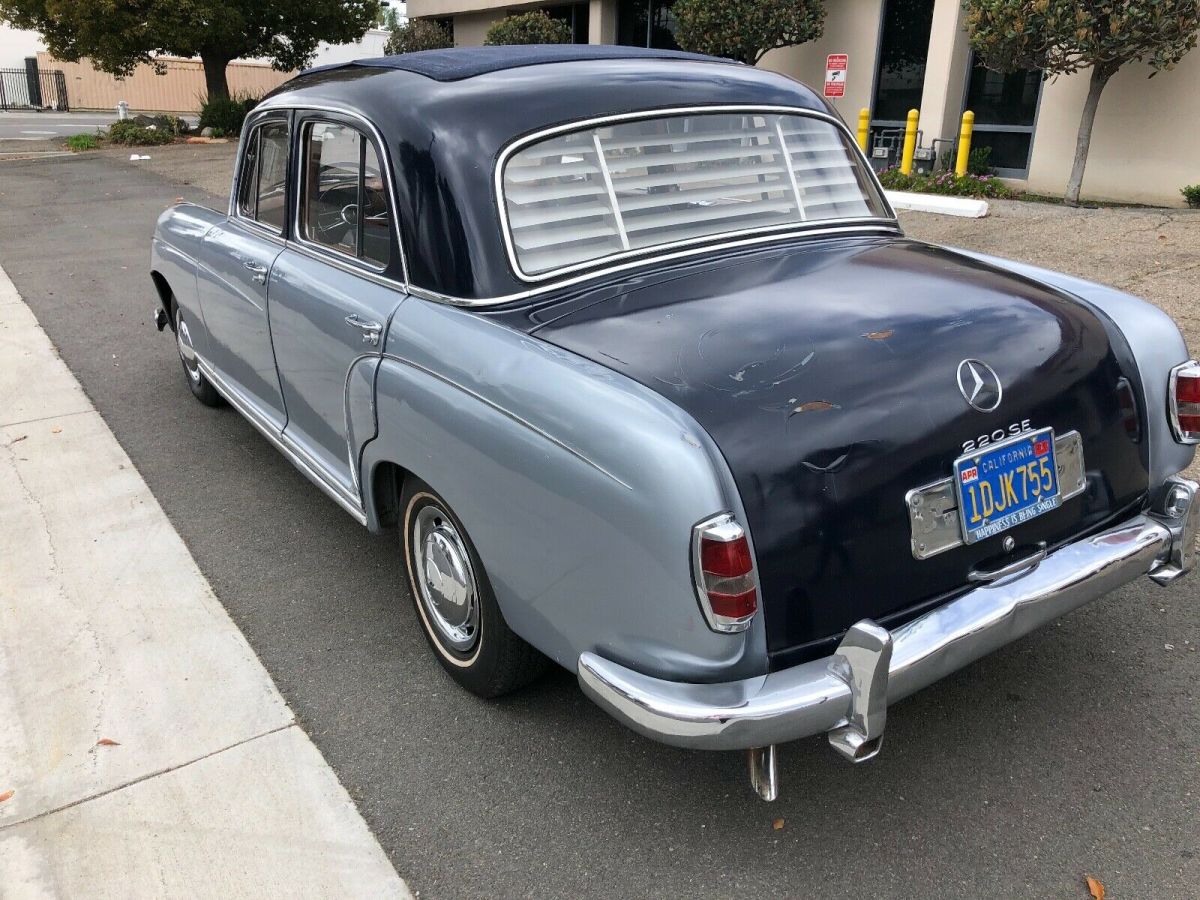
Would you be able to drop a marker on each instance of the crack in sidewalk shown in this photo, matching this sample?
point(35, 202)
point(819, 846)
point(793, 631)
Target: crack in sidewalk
point(149, 775)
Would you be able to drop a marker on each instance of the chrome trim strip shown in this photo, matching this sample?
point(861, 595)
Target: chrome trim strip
point(295, 454)
point(817, 697)
point(467, 302)
point(508, 415)
point(710, 242)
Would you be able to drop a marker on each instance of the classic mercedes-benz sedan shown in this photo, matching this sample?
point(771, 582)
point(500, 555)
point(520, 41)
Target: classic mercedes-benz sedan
point(629, 349)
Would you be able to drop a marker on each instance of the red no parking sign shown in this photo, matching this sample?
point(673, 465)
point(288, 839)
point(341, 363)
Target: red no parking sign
point(836, 65)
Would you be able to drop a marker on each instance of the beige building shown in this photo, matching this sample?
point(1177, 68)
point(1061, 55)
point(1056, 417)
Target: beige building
point(913, 54)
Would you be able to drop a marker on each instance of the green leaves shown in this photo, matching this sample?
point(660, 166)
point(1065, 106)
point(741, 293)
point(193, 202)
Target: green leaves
point(746, 29)
point(535, 27)
point(1065, 36)
point(118, 34)
point(418, 34)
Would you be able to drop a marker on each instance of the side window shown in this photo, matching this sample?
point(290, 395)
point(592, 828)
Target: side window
point(262, 188)
point(344, 200)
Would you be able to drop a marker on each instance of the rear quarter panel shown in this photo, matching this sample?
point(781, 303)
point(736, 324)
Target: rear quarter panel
point(578, 486)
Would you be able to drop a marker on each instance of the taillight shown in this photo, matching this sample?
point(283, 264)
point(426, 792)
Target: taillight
point(1185, 402)
point(723, 568)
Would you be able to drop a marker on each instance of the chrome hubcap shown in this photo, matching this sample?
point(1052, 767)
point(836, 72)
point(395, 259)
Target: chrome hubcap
point(445, 579)
point(183, 338)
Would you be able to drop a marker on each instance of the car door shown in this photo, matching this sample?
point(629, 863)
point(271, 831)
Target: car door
point(238, 256)
point(334, 288)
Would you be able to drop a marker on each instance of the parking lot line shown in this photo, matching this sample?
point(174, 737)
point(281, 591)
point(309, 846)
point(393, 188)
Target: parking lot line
point(144, 749)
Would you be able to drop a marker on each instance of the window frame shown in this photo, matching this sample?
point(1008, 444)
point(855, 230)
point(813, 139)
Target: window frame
point(304, 121)
point(253, 132)
point(715, 241)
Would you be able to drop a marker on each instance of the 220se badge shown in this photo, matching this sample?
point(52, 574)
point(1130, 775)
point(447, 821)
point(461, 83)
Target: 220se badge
point(639, 370)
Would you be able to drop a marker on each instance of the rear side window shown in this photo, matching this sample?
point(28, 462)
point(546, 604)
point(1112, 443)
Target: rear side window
point(578, 198)
point(262, 191)
point(344, 202)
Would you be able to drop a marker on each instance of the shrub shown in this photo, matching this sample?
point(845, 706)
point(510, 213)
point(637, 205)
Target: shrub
point(136, 134)
point(1191, 194)
point(947, 183)
point(979, 161)
point(746, 30)
point(418, 34)
point(85, 141)
point(226, 113)
point(535, 27)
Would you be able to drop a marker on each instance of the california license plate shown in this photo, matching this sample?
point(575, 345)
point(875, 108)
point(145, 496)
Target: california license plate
point(1006, 484)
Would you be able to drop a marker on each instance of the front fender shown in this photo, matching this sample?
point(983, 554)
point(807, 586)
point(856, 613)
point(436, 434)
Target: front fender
point(578, 486)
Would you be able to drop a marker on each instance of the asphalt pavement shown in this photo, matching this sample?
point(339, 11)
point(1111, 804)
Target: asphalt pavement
point(26, 125)
point(1074, 751)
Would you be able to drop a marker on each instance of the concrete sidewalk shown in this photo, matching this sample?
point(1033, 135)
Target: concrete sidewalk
point(144, 751)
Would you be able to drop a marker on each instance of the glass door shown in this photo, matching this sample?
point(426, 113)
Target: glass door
point(1005, 107)
point(899, 74)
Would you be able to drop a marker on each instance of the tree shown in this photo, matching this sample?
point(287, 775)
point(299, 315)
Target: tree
point(116, 37)
point(746, 29)
point(418, 34)
point(535, 27)
point(1061, 37)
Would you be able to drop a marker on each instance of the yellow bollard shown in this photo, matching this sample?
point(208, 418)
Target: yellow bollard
point(964, 143)
point(864, 128)
point(910, 142)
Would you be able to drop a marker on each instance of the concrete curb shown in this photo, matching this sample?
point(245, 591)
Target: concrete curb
point(144, 751)
point(934, 203)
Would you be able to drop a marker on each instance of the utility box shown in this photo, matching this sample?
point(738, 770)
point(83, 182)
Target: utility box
point(924, 160)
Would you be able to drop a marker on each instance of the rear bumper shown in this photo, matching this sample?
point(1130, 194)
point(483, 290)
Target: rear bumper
point(847, 694)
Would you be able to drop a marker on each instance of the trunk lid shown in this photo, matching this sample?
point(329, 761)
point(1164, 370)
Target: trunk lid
point(827, 376)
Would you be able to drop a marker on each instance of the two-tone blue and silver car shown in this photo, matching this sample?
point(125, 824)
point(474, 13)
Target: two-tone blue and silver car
point(630, 350)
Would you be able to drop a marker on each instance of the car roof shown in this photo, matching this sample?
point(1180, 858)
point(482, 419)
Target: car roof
point(444, 135)
point(457, 63)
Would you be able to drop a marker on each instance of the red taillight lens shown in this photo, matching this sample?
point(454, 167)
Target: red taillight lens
point(724, 570)
point(1185, 402)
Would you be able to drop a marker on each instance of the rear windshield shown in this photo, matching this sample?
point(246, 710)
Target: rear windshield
point(578, 198)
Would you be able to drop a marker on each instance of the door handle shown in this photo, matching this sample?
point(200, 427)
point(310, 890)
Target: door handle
point(1020, 567)
point(260, 272)
point(370, 330)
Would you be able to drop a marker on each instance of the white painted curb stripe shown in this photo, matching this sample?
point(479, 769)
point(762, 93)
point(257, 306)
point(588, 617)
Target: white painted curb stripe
point(934, 203)
point(146, 749)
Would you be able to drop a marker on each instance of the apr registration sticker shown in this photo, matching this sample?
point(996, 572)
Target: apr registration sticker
point(1006, 484)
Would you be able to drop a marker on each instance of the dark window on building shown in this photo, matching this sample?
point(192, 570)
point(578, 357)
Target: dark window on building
point(903, 49)
point(1005, 107)
point(446, 22)
point(646, 23)
point(576, 17)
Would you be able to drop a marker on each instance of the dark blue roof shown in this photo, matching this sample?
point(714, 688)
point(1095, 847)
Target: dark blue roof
point(457, 63)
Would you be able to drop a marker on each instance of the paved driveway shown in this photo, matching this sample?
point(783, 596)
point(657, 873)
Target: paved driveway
point(1075, 750)
point(16, 125)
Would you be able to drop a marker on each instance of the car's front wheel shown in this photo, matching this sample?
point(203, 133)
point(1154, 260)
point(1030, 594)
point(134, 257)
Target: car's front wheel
point(455, 601)
point(200, 386)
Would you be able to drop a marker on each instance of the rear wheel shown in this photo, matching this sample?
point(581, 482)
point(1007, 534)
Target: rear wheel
point(200, 386)
point(455, 601)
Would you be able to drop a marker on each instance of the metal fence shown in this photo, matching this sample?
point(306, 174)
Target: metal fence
point(33, 88)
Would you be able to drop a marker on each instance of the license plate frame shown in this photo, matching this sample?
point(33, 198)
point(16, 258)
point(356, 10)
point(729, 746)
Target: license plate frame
point(1006, 458)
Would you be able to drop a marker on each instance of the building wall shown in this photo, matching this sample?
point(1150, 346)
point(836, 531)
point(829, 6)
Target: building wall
point(471, 28)
point(369, 45)
point(1144, 145)
point(179, 90)
point(851, 27)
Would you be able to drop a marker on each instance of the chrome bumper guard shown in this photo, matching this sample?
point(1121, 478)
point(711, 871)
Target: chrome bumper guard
point(847, 694)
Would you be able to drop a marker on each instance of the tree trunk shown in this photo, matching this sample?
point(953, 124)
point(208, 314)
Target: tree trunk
point(214, 76)
point(1099, 79)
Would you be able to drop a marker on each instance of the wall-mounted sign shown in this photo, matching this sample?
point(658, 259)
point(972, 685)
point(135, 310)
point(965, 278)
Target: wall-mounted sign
point(836, 65)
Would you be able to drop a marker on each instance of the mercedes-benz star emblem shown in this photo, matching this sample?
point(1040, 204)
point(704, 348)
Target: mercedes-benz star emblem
point(980, 385)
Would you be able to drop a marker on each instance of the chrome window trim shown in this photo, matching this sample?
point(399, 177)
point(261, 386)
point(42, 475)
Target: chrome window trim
point(385, 162)
point(357, 262)
point(449, 299)
point(709, 242)
point(885, 226)
point(233, 213)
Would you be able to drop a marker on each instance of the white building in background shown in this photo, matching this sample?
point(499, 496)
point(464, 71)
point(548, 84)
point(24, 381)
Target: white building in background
point(16, 45)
